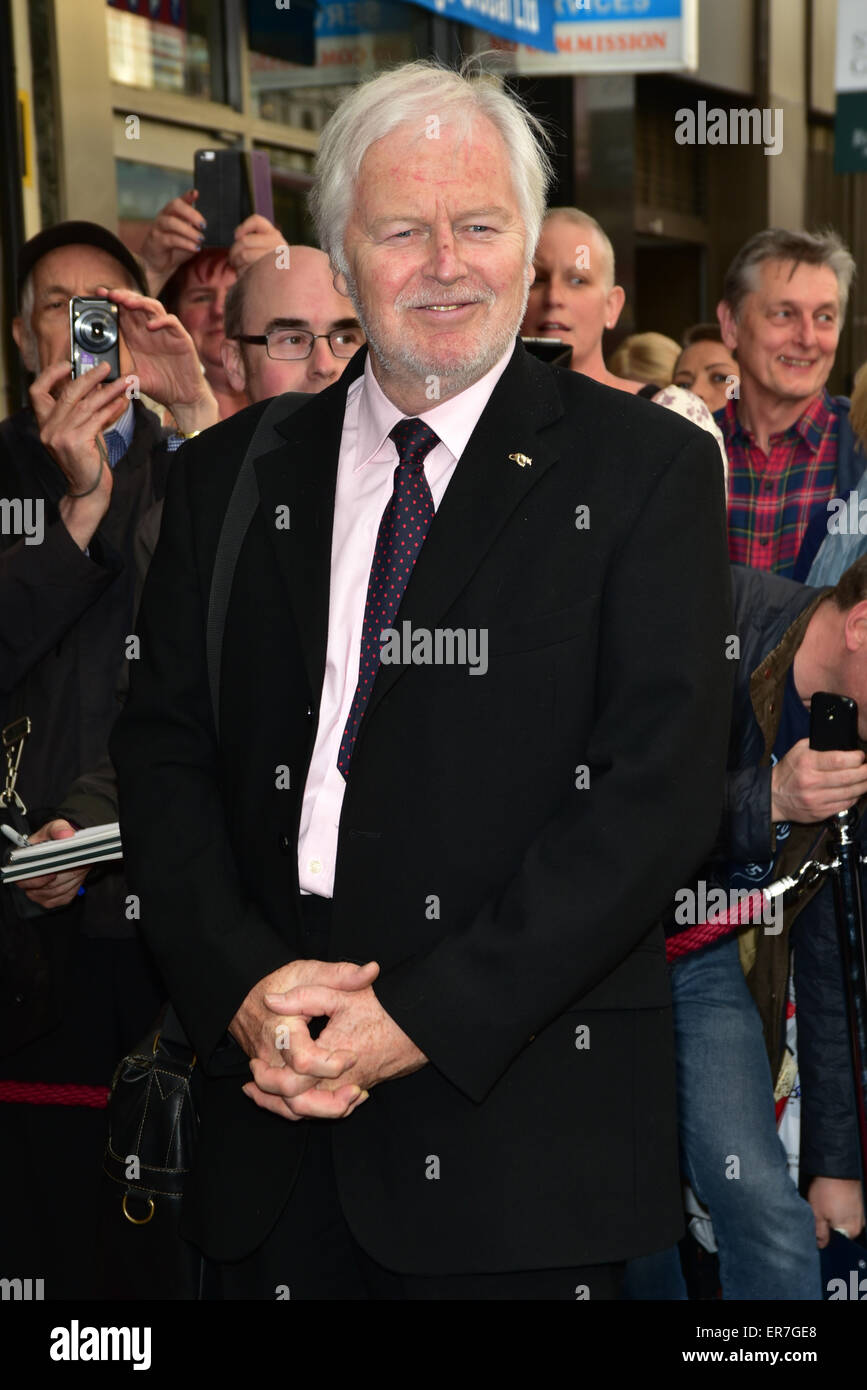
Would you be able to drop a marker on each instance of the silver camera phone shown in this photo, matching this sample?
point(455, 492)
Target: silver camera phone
point(93, 336)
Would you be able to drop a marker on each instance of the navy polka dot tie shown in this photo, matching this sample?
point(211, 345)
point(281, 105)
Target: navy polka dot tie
point(404, 525)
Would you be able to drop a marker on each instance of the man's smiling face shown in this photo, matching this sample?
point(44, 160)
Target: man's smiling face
point(788, 330)
point(435, 246)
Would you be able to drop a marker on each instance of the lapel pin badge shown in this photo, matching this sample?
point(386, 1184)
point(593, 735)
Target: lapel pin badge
point(522, 460)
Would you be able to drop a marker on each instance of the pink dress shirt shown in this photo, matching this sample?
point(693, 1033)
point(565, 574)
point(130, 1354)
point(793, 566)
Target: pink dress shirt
point(365, 482)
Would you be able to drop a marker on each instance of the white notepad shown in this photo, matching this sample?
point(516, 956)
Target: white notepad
point(91, 846)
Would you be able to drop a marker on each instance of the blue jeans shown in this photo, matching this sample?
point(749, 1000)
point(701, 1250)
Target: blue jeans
point(764, 1230)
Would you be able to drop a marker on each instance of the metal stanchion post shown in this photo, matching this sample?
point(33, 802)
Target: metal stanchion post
point(849, 908)
point(834, 726)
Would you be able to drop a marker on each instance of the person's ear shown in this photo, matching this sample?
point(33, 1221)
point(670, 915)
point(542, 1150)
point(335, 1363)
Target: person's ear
point(614, 302)
point(234, 364)
point(339, 281)
point(25, 343)
point(856, 627)
point(728, 325)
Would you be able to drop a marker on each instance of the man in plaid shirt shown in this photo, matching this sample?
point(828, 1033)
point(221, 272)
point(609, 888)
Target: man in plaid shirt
point(789, 444)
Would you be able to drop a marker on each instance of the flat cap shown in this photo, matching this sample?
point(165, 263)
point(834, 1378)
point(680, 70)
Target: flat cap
point(77, 234)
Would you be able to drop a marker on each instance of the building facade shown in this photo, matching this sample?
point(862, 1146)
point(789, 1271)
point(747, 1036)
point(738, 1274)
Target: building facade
point(114, 97)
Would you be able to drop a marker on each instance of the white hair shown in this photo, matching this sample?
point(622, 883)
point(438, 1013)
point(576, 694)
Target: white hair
point(423, 91)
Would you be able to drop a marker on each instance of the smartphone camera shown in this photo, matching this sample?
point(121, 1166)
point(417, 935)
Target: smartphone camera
point(93, 336)
point(551, 350)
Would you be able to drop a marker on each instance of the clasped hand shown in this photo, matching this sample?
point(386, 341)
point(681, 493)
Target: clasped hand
point(296, 1076)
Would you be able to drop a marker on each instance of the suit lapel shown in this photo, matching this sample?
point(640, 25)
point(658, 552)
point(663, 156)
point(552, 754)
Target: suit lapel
point(302, 475)
point(486, 487)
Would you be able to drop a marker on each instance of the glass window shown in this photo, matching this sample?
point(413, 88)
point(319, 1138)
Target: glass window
point(291, 177)
point(142, 189)
point(300, 72)
point(167, 45)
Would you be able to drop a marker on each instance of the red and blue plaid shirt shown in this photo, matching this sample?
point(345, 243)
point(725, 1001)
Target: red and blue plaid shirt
point(773, 496)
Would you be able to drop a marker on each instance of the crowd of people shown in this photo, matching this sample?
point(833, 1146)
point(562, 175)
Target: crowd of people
point(404, 854)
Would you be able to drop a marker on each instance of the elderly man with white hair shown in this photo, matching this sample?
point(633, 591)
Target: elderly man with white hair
point(407, 901)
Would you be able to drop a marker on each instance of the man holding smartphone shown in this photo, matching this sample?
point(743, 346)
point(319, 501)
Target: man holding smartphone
point(193, 280)
point(732, 1060)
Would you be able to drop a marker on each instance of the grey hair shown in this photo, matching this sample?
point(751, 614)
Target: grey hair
point(29, 348)
point(584, 219)
point(823, 248)
point(420, 91)
point(28, 295)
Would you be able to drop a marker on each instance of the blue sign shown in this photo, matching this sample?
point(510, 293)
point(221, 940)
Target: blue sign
point(529, 22)
point(595, 11)
point(341, 19)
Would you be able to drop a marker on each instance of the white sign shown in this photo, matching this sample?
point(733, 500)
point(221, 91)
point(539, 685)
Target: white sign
point(596, 36)
point(850, 73)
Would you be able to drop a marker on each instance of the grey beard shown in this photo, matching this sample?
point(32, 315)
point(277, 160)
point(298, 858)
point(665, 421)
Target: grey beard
point(403, 361)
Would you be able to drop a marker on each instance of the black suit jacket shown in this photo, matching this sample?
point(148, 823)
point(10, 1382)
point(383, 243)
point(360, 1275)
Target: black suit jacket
point(606, 649)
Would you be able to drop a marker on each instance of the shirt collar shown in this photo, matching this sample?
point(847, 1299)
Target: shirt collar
point(453, 420)
point(811, 424)
point(125, 426)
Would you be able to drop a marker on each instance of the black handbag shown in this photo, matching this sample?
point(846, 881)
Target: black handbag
point(152, 1125)
point(152, 1121)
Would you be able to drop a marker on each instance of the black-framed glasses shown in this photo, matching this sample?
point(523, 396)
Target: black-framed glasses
point(294, 344)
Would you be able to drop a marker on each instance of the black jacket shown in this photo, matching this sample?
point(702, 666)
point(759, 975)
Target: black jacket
point(64, 620)
point(766, 607)
point(606, 648)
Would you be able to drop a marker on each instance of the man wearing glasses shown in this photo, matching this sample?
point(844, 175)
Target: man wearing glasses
point(287, 328)
point(311, 332)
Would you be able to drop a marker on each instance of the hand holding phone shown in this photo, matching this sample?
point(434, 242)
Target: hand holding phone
point(231, 185)
point(833, 722)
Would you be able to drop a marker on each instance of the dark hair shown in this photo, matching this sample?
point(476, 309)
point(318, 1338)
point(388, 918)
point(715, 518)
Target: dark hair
point(204, 262)
point(851, 587)
point(701, 333)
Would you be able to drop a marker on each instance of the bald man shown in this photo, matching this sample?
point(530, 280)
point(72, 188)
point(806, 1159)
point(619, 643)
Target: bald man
point(272, 308)
point(574, 297)
point(287, 328)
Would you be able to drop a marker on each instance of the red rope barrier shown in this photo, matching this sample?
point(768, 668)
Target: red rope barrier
point(53, 1093)
point(746, 910)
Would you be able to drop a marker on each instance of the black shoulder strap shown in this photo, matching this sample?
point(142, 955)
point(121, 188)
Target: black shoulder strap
point(239, 513)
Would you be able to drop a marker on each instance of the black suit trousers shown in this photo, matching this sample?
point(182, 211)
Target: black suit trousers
point(311, 1254)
